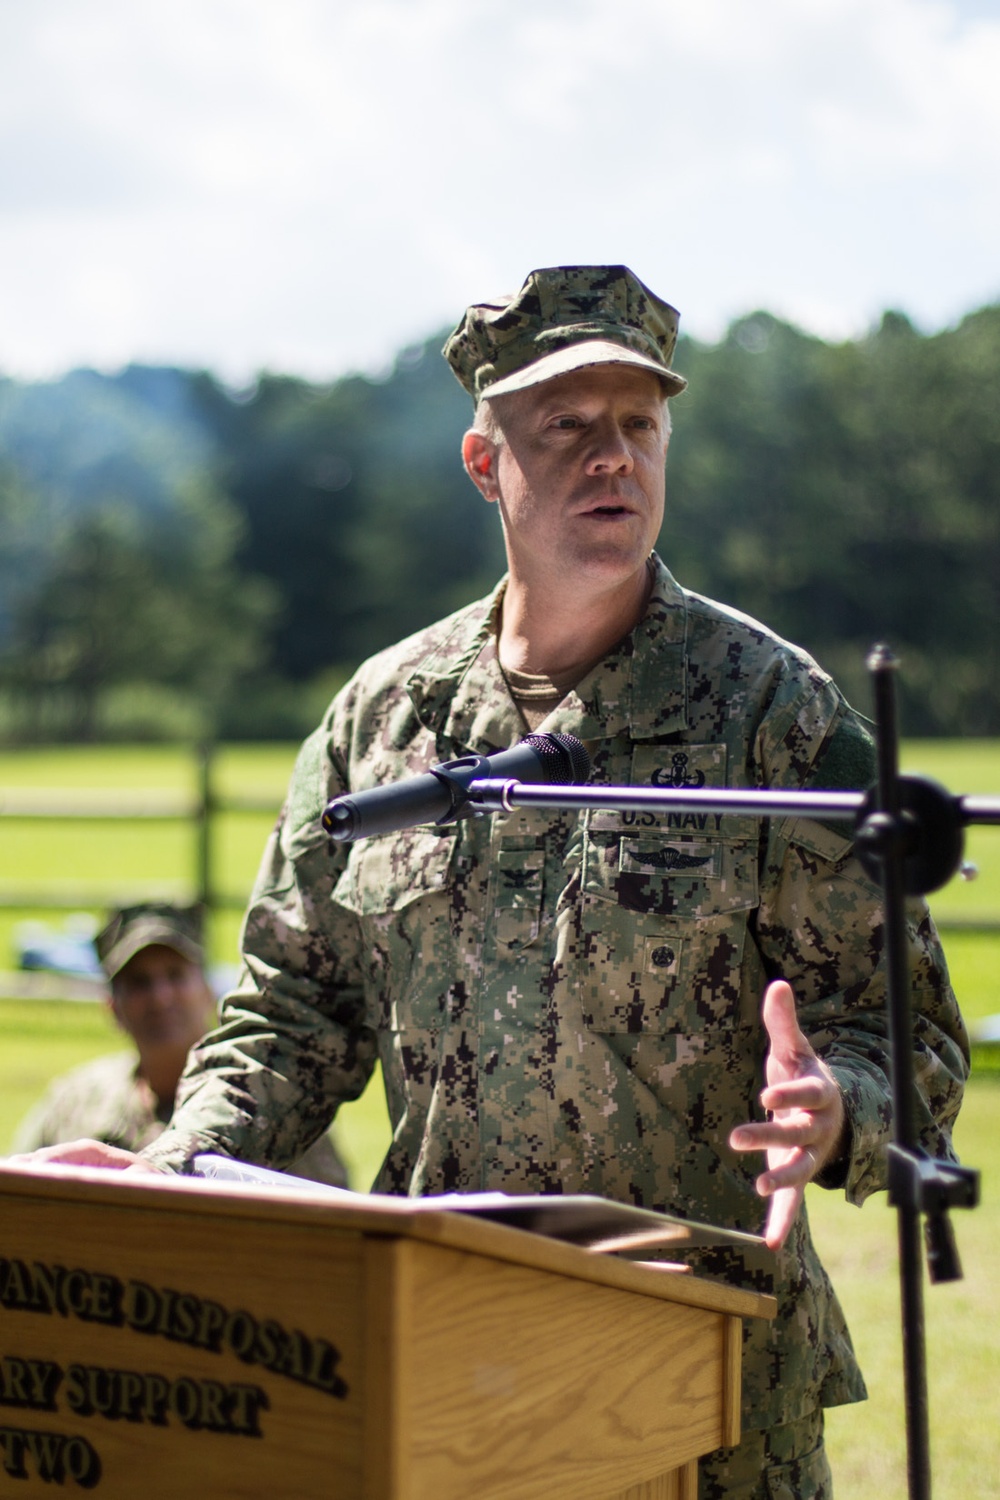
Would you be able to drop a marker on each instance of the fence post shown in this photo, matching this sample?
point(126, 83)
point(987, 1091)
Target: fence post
point(203, 816)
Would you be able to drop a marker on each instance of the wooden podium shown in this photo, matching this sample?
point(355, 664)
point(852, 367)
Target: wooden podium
point(167, 1336)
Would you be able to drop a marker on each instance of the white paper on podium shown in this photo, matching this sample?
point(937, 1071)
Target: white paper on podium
point(593, 1223)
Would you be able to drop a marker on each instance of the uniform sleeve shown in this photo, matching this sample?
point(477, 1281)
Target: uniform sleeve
point(43, 1125)
point(104, 1100)
point(820, 926)
point(292, 1043)
point(321, 1163)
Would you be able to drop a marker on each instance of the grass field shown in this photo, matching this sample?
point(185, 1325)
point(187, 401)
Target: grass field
point(39, 1039)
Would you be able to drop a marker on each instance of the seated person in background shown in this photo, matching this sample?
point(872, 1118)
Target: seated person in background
point(153, 957)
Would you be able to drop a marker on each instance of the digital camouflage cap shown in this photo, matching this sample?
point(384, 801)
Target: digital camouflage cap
point(564, 318)
point(133, 928)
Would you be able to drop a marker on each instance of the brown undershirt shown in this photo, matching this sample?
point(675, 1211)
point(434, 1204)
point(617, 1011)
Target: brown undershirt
point(535, 694)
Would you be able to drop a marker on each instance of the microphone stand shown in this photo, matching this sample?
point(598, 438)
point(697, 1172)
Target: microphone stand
point(908, 834)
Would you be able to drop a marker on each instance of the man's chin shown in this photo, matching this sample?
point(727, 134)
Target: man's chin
point(610, 561)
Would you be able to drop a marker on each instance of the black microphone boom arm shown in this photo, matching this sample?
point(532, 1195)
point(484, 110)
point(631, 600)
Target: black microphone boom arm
point(444, 793)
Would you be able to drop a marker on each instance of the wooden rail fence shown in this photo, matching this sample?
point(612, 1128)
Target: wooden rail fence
point(92, 805)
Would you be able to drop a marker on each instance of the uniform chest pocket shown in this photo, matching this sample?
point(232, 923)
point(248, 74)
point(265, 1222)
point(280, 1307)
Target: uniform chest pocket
point(516, 889)
point(384, 875)
point(398, 889)
point(664, 923)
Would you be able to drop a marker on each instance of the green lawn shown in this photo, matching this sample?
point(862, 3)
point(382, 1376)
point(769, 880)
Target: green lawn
point(867, 1442)
point(964, 768)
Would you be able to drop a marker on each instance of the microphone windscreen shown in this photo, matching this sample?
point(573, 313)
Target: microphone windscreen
point(564, 759)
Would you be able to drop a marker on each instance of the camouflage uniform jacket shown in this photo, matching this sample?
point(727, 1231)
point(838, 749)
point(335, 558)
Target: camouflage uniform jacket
point(571, 1003)
point(107, 1100)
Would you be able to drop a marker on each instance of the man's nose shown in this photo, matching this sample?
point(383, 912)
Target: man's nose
point(162, 990)
point(611, 453)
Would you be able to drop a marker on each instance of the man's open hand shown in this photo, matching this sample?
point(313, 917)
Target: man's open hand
point(806, 1120)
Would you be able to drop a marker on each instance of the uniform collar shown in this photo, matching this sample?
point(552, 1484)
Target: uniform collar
point(638, 688)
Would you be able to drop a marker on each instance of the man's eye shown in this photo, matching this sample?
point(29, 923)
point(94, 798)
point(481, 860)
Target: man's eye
point(568, 422)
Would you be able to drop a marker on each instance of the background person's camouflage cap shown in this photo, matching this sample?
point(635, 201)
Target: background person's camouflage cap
point(133, 928)
point(562, 319)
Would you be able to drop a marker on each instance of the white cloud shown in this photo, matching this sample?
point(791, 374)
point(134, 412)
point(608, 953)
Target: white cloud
point(239, 184)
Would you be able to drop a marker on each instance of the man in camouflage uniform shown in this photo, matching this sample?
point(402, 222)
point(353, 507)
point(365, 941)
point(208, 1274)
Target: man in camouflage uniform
point(154, 960)
point(571, 1003)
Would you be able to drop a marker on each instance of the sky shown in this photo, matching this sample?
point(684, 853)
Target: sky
point(309, 186)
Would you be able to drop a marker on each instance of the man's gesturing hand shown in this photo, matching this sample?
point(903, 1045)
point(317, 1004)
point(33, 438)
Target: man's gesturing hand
point(806, 1115)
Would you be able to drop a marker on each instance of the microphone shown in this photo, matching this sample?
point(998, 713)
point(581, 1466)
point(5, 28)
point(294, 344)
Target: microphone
point(444, 792)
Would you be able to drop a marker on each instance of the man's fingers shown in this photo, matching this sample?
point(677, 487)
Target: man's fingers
point(780, 1020)
point(780, 1134)
point(795, 1171)
point(812, 1091)
point(781, 1214)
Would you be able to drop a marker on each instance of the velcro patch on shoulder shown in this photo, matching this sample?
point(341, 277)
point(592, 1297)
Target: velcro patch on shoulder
point(846, 763)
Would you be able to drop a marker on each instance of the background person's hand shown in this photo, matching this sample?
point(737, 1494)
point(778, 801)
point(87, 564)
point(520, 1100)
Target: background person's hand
point(806, 1115)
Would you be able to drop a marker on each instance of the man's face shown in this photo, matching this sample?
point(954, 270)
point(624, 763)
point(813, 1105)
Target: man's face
point(580, 475)
point(162, 999)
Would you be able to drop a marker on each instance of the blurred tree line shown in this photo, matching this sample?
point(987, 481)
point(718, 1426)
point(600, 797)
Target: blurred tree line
point(179, 559)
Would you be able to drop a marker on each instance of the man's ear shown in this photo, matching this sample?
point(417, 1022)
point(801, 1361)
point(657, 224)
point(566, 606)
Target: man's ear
point(479, 454)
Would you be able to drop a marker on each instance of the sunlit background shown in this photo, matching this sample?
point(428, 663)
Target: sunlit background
point(307, 187)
